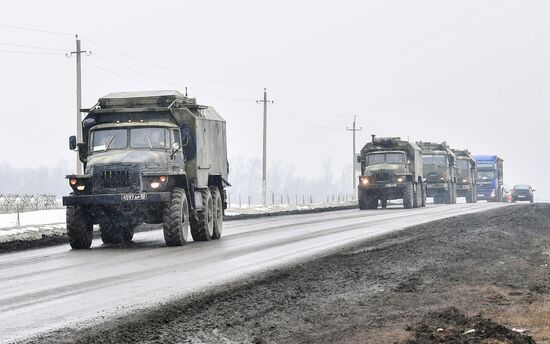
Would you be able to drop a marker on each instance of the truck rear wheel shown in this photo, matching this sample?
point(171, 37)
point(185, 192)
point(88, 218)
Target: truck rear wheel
point(408, 196)
point(79, 227)
point(423, 204)
point(372, 203)
point(470, 197)
point(203, 229)
point(218, 212)
point(384, 203)
point(175, 223)
point(417, 196)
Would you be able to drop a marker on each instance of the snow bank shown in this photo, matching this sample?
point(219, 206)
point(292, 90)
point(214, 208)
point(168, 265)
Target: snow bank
point(36, 225)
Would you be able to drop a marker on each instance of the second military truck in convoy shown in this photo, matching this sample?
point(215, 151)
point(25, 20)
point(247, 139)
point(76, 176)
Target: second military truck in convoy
point(490, 179)
point(466, 175)
point(439, 164)
point(391, 168)
point(149, 157)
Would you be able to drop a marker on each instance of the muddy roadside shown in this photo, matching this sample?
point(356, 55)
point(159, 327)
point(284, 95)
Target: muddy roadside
point(467, 279)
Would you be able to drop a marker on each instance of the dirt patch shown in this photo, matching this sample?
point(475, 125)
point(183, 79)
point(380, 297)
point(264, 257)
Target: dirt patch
point(485, 271)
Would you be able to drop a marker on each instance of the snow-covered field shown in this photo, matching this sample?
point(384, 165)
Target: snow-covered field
point(36, 225)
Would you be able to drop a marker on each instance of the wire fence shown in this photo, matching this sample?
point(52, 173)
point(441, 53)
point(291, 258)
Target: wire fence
point(14, 203)
point(239, 201)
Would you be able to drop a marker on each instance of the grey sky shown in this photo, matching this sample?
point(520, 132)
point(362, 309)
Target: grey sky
point(473, 73)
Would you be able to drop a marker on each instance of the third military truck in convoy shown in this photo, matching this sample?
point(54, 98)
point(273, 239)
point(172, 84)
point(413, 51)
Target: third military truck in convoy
point(490, 181)
point(439, 164)
point(149, 157)
point(391, 168)
point(466, 175)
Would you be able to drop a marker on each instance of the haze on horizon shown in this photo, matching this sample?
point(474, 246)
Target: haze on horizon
point(472, 73)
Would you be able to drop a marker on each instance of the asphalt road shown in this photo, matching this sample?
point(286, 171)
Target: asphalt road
point(50, 288)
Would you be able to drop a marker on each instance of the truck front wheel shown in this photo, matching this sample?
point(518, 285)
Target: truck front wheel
point(79, 227)
point(175, 223)
point(218, 212)
point(408, 196)
point(203, 229)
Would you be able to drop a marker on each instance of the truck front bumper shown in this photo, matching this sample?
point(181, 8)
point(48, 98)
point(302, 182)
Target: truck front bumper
point(105, 199)
point(486, 195)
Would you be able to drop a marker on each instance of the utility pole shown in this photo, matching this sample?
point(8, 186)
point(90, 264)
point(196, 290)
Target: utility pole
point(78, 52)
point(264, 157)
point(353, 129)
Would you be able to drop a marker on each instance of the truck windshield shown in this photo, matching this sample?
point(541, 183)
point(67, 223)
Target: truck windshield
point(140, 138)
point(485, 175)
point(462, 164)
point(152, 138)
point(105, 139)
point(385, 158)
point(434, 160)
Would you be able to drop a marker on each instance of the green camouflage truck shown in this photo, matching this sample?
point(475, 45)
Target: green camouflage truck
point(149, 157)
point(439, 164)
point(466, 175)
point(391, 168)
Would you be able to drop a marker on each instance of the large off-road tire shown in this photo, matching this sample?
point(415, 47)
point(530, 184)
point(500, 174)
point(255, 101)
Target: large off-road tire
point(203, 229)
point(423, 204)
point(127, 234)
point(384, 203)
point(175, 224)
point(408, 196)
point(79, 227)
point(110, 234)
point(372, 203)
point(417, 196)
point(217, 204)
point(362, 200)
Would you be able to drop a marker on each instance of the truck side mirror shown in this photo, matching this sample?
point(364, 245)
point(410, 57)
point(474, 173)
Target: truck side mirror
point(72, 143)
point(358, 158)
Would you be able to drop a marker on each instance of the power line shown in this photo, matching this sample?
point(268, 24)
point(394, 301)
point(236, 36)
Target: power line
point(118, 74)
point(171, 69)
point(36, 30)
point(29, 52)
point(279, 109)
point(30, 46)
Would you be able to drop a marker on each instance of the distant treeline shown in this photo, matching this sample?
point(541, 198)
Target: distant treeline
point(34, 180)
point(245, 176)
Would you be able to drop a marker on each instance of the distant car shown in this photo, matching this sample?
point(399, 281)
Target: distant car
point(523, 192)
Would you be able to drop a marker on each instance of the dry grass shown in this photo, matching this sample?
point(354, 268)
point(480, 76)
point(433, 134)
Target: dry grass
point(534, 317)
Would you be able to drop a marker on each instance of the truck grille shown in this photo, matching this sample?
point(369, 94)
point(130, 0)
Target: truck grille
point(116, 179)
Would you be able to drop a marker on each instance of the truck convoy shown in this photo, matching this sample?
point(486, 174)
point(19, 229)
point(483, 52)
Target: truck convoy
point(489, 178)
point(466, 175)
point(440, 174)
point(390, 169)
point(149, 157)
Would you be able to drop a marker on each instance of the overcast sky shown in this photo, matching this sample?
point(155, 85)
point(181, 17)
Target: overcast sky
point(473, 73)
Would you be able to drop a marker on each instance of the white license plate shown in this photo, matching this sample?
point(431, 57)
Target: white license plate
point(390, 185)
point(134, 197)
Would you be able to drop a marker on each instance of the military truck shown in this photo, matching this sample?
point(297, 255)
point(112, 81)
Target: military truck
point(391, 168)
point(149, 157)
point(439, 164)
point(466, 175)
point(490, 178)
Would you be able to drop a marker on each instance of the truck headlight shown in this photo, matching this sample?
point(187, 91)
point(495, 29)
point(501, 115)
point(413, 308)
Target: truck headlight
point(364, 180)
point(464, 181)
point(401, 179)
point(78, 184)
point(156, 183)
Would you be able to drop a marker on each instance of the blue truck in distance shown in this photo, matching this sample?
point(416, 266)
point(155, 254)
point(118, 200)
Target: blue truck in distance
point(489, 178)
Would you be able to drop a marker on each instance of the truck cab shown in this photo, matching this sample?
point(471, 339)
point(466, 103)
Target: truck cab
point(489, 178)
point(466, 185)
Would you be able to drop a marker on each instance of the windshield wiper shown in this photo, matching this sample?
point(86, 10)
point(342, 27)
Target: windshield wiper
point(110, 141)
point(149, 141)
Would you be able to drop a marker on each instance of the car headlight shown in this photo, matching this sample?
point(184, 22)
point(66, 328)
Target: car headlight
point(401, 179)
